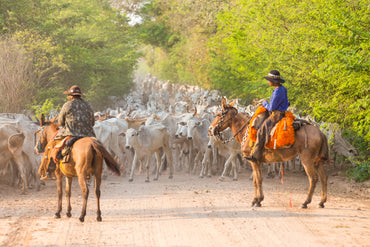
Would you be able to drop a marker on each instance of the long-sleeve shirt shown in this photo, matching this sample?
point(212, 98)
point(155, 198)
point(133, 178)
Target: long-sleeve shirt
point(279, 100)
point(76, 119)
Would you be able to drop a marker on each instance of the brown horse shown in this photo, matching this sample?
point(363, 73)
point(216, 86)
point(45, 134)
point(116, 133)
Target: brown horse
point(86, 158)
point(310, 144)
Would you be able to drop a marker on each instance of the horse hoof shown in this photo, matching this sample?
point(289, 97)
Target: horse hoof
point(221, 178)
point(304, 206)
point(170, 177)
point(209, 176)
point(131, 179)
point(57, 216)
point(235, 179)
point(154, 179)
point(82, 219)
point(146, 180)
point(321, 205)
point(98, 218)
point(69, 215)
point(258, 205)
point(200, 176)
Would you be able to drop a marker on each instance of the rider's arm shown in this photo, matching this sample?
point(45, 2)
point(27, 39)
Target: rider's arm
point(277, 98)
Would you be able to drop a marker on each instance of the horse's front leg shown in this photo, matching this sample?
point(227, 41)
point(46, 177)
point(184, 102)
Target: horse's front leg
point(85, 195)
point(68, 196)
point(60, 194)
point(257, 182)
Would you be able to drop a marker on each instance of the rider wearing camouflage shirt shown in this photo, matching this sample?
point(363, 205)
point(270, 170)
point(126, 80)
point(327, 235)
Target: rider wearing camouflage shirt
point(76, 117)
point(77, 120)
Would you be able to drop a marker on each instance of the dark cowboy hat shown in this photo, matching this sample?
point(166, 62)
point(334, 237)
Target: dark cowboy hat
point(274, 76)
point(74, 90)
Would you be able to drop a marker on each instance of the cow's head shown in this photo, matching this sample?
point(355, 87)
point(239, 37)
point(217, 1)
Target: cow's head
point(131, 137)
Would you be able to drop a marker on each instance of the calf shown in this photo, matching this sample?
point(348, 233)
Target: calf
point(146, 141)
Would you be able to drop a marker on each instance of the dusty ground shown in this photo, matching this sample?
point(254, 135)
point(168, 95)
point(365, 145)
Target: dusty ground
point(188, 211)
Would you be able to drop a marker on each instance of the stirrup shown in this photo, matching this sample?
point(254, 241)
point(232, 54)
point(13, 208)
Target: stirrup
point(47, 177)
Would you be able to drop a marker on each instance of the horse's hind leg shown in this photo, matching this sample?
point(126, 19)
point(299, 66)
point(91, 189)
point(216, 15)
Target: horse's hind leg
point(312, 177)
point(85, 195)
point(60, 194)
point(97, 195)
point(324, 184)
point(68, 196)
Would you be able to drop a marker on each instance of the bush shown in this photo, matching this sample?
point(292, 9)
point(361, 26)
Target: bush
point(361, 171)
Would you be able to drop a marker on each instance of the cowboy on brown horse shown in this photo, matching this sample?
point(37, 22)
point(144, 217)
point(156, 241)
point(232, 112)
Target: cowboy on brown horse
point(275, 112)
point(77, 120)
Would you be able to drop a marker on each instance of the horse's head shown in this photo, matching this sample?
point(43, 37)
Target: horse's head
point(44, 134)
point(223, 119)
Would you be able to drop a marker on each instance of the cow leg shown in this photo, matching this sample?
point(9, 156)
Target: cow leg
point(133, 168)
point(205, 162)
point(226, 167)
point(234, 167)
point(158, 162)
point(20, 162)
point(147, 164)
point(169, 156)
point(85, 195)
point(60, 194)
point(68, 195)
point(196, 160)
point(208, 156)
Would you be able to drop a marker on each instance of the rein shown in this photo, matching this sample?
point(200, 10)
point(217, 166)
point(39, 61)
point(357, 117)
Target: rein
point(221, 122)
point(38, 143)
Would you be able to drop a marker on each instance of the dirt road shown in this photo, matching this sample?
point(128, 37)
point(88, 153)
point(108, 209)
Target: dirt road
point(188, 211)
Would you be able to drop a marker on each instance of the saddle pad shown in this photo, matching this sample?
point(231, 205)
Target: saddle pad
point(283, 134)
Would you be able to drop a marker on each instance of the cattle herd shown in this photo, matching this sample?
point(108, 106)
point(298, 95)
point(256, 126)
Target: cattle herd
point(156, 119)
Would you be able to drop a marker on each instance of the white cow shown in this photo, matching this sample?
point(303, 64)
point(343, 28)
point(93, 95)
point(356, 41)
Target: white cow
point(184, 146)
point(107, 134)
point(27, 169)
point(229, 150)
point(11, 149)
point(198, 132)
point(146, 141)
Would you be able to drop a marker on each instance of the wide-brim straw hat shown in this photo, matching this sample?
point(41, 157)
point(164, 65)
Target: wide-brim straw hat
point(274, 76)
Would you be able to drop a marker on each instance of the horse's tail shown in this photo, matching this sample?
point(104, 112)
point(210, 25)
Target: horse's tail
point(109, 160)
point(324, 155)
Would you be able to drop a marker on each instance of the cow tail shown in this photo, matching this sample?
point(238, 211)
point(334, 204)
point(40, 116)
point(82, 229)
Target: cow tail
point(113, 166)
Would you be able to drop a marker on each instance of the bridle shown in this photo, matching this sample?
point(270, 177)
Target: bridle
point(222, 121)
point(38, 144)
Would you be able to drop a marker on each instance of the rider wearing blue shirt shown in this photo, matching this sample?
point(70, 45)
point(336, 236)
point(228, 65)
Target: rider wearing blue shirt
point(279, 100)
point(278, 105)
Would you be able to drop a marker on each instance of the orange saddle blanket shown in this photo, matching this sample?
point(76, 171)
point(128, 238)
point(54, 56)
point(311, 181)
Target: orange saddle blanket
point(281, 136)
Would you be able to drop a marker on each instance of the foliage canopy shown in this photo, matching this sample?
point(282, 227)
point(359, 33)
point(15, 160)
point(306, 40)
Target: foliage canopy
point(82, 42)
